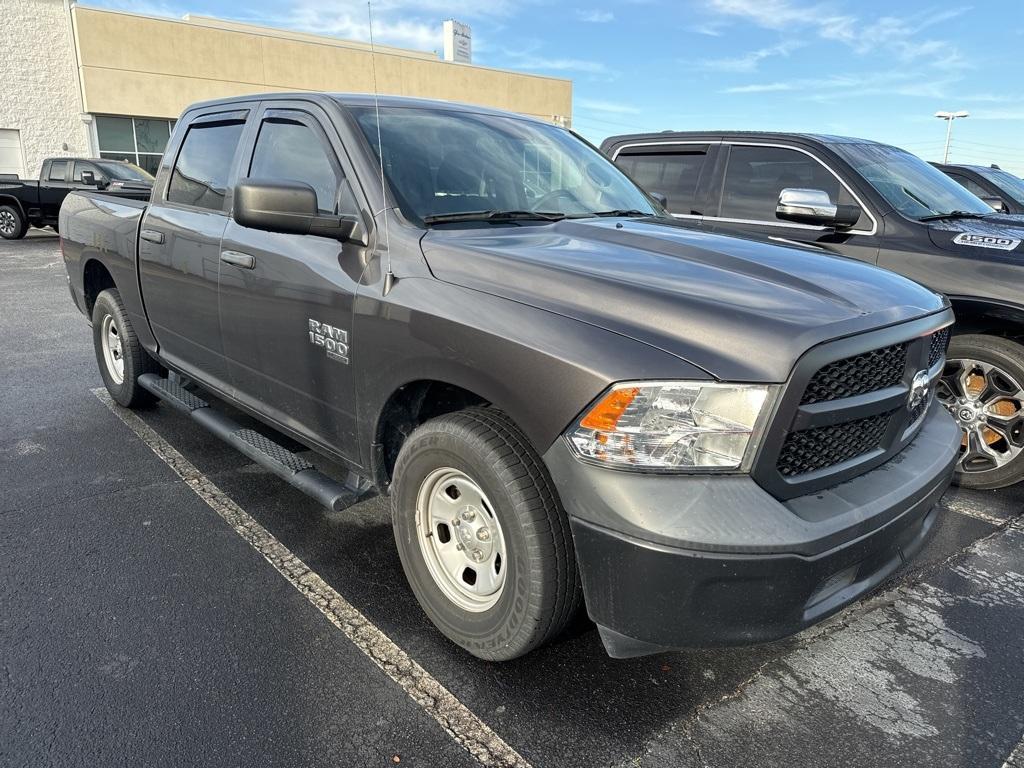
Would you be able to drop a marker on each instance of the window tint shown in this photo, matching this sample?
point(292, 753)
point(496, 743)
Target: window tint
point(756, 175)
point(59, 170)
point(80, 167)
point(971, 186)
point(672, 173)
point(291, 151)
point(200, 176)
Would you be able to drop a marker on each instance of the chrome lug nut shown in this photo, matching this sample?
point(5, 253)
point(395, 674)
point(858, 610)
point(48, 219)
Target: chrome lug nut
point(483, 534)
point(477, 556)
point(468, 515)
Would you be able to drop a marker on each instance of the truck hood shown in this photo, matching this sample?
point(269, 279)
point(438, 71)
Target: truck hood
point(741, 309)
point(998, 234)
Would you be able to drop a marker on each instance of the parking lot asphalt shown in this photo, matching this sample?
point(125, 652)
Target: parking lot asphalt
point(137, 627)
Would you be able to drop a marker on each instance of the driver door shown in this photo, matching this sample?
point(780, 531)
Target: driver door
point(756, 174)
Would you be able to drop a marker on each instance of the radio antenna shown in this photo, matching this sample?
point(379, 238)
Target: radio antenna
point(389, 276)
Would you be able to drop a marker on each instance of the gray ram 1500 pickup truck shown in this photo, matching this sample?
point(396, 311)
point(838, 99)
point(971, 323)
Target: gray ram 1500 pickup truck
point(567, 395)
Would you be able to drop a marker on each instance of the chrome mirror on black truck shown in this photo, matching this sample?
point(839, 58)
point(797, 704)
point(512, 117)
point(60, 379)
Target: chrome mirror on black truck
point(814, 206)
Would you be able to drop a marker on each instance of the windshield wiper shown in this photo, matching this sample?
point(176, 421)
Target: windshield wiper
point(954, 215)
point(493, 216)
point(623, 212)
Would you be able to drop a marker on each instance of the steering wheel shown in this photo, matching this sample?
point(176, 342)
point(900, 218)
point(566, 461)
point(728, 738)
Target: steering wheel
point(552, 196)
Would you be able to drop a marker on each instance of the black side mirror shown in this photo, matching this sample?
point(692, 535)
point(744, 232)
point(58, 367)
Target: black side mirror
point(90, 180)
point(288, 207)
point(996, 202)
point(660, 199)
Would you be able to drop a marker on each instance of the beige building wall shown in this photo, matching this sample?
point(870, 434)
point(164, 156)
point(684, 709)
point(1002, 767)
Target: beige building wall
point(143, 66)
point(40, 105)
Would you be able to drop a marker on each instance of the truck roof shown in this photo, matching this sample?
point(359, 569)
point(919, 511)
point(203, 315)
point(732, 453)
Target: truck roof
point(822, 138)
point(367, 100)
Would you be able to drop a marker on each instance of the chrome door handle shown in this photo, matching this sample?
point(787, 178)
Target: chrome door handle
point(152, 236)
point(243, 260)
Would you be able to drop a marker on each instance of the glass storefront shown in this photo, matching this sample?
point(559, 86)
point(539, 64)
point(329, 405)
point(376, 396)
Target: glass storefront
point(138, 140)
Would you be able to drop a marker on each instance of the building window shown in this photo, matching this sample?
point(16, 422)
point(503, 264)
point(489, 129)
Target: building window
point(135, 139)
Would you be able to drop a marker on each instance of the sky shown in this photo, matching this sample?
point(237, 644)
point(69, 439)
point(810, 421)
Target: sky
point(871, 69)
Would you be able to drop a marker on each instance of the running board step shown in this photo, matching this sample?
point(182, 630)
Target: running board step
point(290, 467)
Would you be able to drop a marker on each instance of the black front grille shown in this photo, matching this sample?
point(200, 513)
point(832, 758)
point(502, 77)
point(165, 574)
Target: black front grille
point(937, 347)
point(857, 375)
point(821, 447)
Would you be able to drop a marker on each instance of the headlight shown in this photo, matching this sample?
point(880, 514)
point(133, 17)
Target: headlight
point(671, 425)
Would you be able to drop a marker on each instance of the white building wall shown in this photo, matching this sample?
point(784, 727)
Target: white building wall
point(40, 97)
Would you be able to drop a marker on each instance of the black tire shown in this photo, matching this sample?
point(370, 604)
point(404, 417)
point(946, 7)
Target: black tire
point(541, 593)
point(13, 225)
point(109, 312)
point(1008, 358)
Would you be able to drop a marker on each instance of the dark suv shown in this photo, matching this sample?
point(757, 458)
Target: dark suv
point(885, 206)
point(1000, 189)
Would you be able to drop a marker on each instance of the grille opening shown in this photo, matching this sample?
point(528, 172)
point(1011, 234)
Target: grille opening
point(938, 346)
point(814, 449)
point(857, 375)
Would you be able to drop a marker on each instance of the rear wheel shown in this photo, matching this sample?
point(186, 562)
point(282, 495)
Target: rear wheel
point(12, 224)
point(483, 538)
point(982, 386)
point(120, 356)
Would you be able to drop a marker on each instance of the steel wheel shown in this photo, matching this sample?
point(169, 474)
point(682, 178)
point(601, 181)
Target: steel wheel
point(461, 539)
point(8, 223)
point(987, 403)
point(113, 352)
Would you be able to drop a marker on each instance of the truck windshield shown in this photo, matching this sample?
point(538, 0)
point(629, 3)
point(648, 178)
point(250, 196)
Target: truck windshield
point(914, 188)
point(460, 166)
point(1012, 185)
point(125, 172)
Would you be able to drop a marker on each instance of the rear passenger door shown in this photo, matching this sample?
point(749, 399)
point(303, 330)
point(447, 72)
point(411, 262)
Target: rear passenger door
point(54, 188)
point(282, 296)
point(179, 244)
point(754, 176)
point(681, 171)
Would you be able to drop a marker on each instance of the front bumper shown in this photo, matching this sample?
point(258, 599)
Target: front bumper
point(676, 561)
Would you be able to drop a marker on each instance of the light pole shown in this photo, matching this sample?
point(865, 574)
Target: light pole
point(949, 117)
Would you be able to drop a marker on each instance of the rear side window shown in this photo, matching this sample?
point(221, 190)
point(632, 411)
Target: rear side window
point(200, 176)
point(674, 172)
point(58, 170)
point(288, 150)
point(756, 175)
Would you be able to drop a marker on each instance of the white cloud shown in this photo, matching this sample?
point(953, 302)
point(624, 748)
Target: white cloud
point(749, 62)
point(595, 16)
point(611, 107)
point(761, 88)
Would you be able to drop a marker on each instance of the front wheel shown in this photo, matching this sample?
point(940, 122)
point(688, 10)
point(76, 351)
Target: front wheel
point(13, 225)
point(483, 538)
point(982, 386)
point(120, 356)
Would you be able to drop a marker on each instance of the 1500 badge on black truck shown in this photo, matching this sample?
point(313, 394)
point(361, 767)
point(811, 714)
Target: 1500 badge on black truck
point(567, 395)
point(885, 206)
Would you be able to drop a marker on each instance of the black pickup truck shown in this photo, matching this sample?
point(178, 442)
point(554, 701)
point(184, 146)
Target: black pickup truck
point(37, 203)
point(1000, 189)
point(567, 394)
point(885, 206)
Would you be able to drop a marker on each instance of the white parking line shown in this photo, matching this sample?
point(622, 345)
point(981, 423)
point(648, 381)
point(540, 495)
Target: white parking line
point(1016, 758)
point(437, 701)
point(963, 508)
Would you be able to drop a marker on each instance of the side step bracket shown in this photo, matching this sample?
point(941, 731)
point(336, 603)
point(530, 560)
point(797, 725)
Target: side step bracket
point(290, 467)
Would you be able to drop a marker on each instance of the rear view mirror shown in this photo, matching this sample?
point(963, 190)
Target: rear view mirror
point(996, 203)
point(289, 207)
point(814, 206)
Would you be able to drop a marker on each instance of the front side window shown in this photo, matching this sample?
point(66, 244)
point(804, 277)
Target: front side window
point(200, 176)
point(440, 162)
point(59, 170)
point(1012, 186)
point(969, 184)
point(125, 172)
point(287, 150)
point(673, 172)
point(909, 184)
point(81, 167)
point(756, 176)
